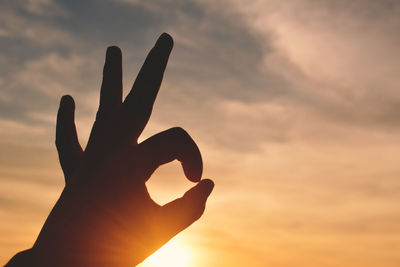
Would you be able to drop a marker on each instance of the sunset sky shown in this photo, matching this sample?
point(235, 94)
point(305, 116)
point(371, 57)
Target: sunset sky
point(295, 106)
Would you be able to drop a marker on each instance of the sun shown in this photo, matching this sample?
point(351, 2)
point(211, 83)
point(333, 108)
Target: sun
point(171, 254)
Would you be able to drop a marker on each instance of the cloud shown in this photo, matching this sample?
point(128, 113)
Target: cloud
point(294, 105)
point(29, 26)
point(340, 58)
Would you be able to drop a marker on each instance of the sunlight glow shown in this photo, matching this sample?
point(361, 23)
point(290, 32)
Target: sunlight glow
point(171, 254)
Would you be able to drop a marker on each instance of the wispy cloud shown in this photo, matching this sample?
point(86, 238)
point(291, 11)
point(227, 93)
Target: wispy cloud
point(294, 104)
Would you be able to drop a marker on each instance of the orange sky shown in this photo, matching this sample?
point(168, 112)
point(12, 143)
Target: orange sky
point(294, 105)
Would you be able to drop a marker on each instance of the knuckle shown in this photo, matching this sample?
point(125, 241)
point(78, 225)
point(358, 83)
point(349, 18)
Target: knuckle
point(180, 132)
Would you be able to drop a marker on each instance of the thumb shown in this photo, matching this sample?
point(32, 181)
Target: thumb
point(182, 212)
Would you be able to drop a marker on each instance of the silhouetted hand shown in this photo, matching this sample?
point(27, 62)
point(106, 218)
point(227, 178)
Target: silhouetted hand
point(105, 216)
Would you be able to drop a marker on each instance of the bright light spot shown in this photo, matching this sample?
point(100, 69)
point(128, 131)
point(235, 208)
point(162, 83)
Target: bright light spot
point(171, 254)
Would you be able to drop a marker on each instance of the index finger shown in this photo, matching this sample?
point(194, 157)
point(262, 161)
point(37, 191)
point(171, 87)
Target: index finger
point(138, 105)
point(172, 144)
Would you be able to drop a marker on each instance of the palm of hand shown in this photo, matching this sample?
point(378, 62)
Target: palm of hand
point(105, 216)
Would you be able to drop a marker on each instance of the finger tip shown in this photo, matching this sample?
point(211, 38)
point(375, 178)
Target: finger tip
point(193, 170)
point(167, 37)
point(113, 48)
point(208, 185)
point(113, 52)
point(194, 179)
point(67, 100)
point(165, 40)
point(201, 191)
point(194, 176)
